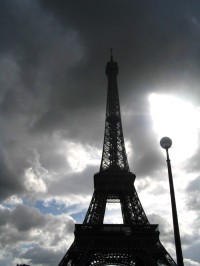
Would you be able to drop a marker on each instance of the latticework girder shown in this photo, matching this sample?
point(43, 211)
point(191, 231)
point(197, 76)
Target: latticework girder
point(114, 154)
point(132, 210)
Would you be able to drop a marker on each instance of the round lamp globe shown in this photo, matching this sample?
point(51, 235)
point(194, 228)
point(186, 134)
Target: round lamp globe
point(166, 143)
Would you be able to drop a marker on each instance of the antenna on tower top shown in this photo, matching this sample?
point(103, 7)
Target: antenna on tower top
point(111, 54)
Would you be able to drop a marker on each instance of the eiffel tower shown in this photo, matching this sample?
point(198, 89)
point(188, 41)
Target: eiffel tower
point(136, 241)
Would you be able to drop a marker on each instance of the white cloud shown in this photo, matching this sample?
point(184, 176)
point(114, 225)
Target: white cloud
point(33, 182)
point(79, 156)
point(189, 262)
point(13, 200)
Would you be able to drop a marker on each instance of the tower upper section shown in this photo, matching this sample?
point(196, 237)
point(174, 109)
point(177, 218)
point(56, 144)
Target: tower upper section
point(114, 156)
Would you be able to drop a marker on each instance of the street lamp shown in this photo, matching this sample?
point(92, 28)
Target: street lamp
point(166, 143)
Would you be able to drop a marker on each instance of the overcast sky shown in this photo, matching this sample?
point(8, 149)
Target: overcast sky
point(52, 112)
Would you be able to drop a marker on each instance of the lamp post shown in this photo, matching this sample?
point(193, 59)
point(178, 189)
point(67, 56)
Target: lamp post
point(166, 143)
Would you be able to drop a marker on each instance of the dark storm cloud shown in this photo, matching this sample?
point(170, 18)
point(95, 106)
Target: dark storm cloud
point(57, 51)
point(56, 54)
point(147, 35)
point(150, 36)
point(9, 180)
point(29, 39)
point(157, 44)
point(61, 51)
point(20, 35)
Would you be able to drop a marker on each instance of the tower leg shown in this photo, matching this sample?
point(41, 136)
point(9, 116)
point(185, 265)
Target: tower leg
point(96, 210)
point(132, 211)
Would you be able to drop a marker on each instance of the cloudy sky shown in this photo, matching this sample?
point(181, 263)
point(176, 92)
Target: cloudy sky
point(52, 112)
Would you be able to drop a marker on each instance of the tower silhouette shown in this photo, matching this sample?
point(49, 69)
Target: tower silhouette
point(136, 241)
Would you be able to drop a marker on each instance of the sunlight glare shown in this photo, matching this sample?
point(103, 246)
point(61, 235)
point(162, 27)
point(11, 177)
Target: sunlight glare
point(178, 120)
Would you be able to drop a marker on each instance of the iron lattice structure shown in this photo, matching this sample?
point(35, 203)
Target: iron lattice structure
point(136, 241)
point(114, 154)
